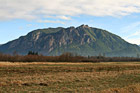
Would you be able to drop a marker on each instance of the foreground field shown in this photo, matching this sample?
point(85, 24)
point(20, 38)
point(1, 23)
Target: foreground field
point(115, 77)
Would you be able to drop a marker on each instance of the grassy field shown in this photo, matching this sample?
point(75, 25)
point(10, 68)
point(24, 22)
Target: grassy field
point(115, 77)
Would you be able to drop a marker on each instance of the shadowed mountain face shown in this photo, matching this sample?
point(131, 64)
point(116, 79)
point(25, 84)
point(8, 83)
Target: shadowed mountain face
point(83, 40)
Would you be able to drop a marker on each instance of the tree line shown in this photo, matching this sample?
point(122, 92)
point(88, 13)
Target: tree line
point(65, 57)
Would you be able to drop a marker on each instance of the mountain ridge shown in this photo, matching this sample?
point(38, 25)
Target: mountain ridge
point(82, 40)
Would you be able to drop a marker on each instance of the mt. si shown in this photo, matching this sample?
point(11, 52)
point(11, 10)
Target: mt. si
point(83, 40)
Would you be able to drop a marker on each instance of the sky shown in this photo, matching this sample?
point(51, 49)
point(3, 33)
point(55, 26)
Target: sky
point(19, 17)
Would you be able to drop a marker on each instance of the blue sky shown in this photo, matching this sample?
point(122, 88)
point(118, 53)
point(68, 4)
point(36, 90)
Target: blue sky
point(19, 17)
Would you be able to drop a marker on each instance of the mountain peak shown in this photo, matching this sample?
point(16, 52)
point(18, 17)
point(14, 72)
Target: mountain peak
point(84, 26)
point(71, 27)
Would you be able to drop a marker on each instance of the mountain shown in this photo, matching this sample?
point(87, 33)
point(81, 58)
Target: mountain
point(83, 40)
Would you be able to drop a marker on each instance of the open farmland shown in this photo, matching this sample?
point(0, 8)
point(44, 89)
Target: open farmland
point(109, 77)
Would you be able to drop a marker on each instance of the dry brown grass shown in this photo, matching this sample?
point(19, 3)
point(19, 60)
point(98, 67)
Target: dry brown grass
point(68, 63)
point(128, 89)
point(70, 77)
point(36, 63)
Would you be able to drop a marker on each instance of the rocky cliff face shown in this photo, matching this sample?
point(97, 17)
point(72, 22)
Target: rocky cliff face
point(83, 40)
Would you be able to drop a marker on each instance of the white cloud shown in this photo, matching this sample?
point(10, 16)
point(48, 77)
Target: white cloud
point(137, 33)
point(130, 27)
point(134, 40)
point(29, 25)
point(131, 32)
point(64, 9)
point(59, 17)
point(50, 21)
point(63, 17)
